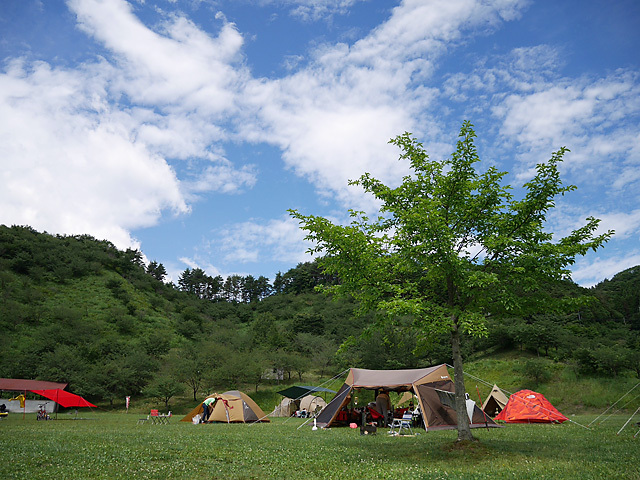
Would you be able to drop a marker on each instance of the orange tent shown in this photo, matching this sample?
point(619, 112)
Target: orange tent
point(527, 406)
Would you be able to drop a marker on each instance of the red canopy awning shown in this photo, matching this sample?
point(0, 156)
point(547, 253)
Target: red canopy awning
point(64, 399)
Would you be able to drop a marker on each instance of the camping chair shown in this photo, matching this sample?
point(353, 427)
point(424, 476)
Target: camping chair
point(375, 416)
point(155, 417)
point(401, 424)
point(142, 421)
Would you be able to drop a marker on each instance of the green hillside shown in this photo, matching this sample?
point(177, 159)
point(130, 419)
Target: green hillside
point(78, 310)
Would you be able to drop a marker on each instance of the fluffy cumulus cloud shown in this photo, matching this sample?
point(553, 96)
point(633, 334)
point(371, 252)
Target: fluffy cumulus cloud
point(86, 150)
point(597, 117)
point(333, 118)
point(68, 163)
point(178, 67)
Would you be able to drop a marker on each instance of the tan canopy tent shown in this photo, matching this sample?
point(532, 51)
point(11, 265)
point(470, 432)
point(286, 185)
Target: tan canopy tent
point(432, 386)
point(495, 402)
point(228, 407)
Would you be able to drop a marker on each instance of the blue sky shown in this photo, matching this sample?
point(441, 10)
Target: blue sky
point(187, 128)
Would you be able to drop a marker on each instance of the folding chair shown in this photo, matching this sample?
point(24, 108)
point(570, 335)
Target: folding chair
point(155, 417)
point(401, 424)
point(164, 418)
point(142, 421)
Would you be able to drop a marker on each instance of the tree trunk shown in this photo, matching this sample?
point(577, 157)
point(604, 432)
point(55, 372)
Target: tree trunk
point(464, 430)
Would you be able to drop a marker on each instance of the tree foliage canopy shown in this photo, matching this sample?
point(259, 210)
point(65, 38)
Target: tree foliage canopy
point(451, 242)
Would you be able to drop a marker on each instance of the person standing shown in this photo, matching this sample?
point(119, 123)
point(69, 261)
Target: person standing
point(383, 405)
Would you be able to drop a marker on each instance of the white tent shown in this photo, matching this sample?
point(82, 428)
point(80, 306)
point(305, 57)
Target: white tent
point(312, 403)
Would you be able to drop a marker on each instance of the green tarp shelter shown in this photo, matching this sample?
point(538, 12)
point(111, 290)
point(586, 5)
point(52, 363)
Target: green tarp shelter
point(299, 391)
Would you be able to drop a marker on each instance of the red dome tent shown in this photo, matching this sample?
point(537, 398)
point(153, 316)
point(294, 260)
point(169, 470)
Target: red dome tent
point(527, 406)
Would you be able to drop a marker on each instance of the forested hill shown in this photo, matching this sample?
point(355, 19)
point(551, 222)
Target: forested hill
point(78, 310)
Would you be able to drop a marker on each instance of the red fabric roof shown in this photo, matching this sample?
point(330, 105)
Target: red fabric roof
point(64, 399)
point(527, 406)
point(17, 384)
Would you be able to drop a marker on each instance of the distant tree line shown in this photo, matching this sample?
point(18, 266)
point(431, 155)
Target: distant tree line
point(247, 289)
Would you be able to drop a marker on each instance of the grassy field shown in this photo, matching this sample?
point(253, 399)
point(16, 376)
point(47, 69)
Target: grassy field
point(113, 446)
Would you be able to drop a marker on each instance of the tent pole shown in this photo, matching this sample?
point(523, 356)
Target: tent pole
point(627, 422)
point(483, 412)
point(610, 407)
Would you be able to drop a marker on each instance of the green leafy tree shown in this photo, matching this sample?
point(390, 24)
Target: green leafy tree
point(164, 388)
point(451, 246)
point(536, 370)
point(191, 366)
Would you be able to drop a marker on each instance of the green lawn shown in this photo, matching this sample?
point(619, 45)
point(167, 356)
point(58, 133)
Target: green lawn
point(112, 445)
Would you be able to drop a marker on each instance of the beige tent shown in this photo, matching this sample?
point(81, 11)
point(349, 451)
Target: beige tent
point(495, 402)
point(312, 403)
point(229, 407)
point(285, 408)
point(432, 387)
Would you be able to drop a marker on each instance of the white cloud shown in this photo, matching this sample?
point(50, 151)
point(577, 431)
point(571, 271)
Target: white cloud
point(625, 224)
point(590, 273)
point(334, 118)
point(194, 263)
point(181, 67)
point(252, 241)
point(595, 118)
point(311, 10)
point(223, 178)
point(85, 150)
point(68, 163)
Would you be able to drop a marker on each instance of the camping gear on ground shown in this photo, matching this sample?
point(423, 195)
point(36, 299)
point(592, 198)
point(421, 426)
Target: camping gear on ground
point(527, 406)
point(229, 407)
point(423, 382)
point(42, 413)
point(495, 402)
